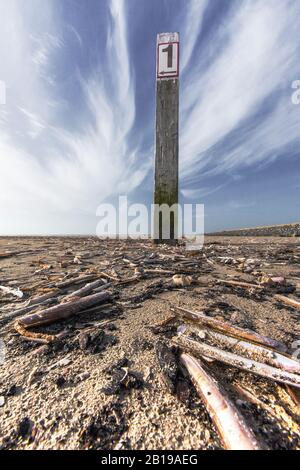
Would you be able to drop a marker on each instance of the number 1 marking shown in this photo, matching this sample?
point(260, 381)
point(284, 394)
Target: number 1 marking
point(169, 50)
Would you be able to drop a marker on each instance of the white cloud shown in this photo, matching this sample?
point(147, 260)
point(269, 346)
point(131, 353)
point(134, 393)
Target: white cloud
point(44, 46)
point(193, 21)
point(77, 169)
point(259, 54)
point(198, 193)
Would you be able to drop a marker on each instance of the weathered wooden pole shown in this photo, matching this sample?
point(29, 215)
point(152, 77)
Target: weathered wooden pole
point(166, 153)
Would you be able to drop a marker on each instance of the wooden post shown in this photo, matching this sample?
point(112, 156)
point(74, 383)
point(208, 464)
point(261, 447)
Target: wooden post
point(166, 153)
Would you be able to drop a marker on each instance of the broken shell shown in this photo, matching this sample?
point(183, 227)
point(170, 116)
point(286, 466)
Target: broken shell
point(182, 281)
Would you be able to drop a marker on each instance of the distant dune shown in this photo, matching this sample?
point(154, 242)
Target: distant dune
point(285, 230)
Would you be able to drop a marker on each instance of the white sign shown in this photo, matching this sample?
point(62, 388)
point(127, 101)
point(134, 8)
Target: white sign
point(167, 59)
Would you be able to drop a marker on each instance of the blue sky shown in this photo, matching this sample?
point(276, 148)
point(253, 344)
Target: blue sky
point(77, 128)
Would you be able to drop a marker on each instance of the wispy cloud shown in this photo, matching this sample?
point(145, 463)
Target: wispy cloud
point(198, 193)
point(193, 25)
point(79, 168)
point(45, 44)
point(256, 62)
